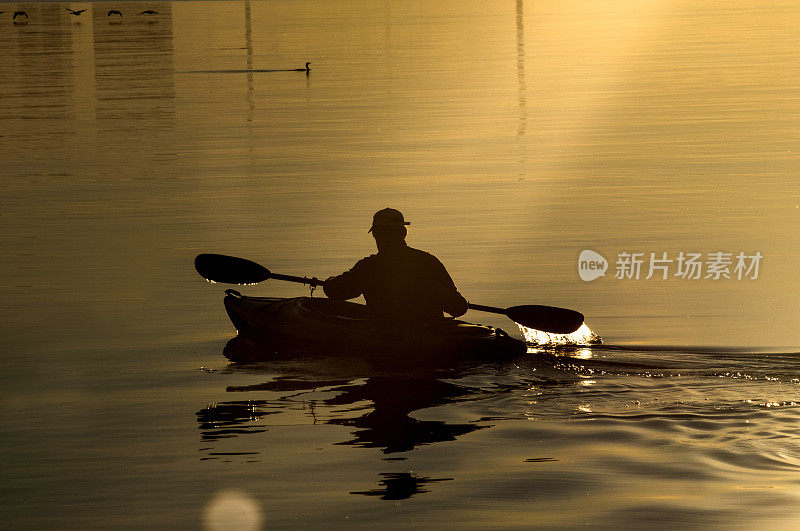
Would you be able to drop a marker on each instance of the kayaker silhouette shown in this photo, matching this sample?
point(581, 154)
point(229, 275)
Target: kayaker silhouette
point(399, 281)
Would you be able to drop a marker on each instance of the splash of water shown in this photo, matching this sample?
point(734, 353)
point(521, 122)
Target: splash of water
point(582, 336)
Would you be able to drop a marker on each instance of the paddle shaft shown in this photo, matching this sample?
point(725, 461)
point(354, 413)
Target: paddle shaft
point(547, 318)
point(484, 308)
point(516, 313)
point(316, 282)
point(313, 282)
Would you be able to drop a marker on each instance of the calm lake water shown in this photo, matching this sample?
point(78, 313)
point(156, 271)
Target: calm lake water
point(513, 136)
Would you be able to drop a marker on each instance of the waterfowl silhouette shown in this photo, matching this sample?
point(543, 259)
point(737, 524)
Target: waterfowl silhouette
point(250, 70)
point(113, 12)
point(19, 14)
point(149, 12)
point(73, 12)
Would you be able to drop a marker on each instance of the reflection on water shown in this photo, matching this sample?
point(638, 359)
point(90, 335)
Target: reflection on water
point(648, 400)
point(382, 405)
point(230, 419)
point(134, 76)
point(399, 486)
point(388, 426)
point(377, 403)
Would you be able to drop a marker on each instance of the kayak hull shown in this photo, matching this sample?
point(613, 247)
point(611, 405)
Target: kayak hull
point(305, 325)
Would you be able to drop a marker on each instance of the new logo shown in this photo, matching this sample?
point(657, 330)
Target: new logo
point(591, 265)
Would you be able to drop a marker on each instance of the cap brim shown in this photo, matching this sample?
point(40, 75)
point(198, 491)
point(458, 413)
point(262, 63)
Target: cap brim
point(390, 225)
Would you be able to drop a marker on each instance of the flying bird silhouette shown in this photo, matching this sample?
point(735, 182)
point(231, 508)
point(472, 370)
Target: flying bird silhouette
point(113, 12)
point(73, 12)
point(19, 14)
point(149, 12)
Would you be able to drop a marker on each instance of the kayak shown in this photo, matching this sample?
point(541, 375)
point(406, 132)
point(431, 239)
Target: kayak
point(313, 325)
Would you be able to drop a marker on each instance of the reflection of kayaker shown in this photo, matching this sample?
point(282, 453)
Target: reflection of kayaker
point(387, 424)
point(399, 281)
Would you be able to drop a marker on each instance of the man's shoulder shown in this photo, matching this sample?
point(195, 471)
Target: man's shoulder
point(422, 254)
point(408, 255)
point(368, 259)
point(366, 263)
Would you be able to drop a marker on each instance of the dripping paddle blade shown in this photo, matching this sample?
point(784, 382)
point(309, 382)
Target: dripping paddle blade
point(229, 269)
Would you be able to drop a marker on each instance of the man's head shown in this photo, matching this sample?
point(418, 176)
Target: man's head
point(388, 228)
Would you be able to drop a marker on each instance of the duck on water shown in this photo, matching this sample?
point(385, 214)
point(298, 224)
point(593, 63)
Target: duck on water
point(307, 70)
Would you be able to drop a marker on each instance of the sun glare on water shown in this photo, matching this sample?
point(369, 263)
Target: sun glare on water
point(581, 336)
point(233, 510)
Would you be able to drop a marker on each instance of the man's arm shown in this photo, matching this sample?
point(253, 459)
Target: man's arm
point(452, 301)
point(455, 304)
point(348, 285)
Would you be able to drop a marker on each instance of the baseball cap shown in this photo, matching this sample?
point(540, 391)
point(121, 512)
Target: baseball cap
point(388, 217)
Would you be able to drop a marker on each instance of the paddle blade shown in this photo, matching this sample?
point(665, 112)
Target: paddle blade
point(229, 269)
point(546, 318)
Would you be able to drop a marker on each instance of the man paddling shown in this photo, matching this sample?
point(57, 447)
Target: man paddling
point(399, 281)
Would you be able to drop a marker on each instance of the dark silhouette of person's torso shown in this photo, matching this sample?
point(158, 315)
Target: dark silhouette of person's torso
point(400, 282)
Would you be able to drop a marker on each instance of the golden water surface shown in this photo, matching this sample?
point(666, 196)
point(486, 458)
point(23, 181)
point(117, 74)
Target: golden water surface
point(513, 136)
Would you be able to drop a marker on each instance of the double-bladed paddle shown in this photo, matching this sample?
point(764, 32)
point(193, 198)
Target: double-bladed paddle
point(233, 270)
